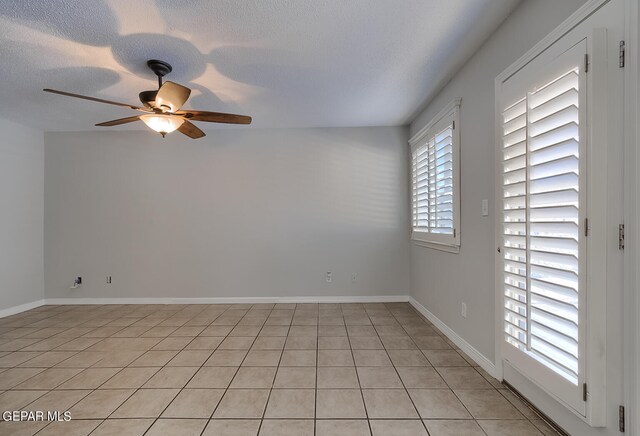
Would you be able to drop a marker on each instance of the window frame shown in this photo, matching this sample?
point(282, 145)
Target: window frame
point(449, 115)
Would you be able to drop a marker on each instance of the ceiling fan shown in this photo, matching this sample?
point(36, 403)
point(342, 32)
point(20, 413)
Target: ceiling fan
point(162, 107)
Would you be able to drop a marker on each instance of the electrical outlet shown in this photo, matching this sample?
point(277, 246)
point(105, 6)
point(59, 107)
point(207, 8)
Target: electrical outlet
point(328, 277)
point(463, 310)
point(108, 280)
point(485, 207)
point(354, 277)
point(76, 283)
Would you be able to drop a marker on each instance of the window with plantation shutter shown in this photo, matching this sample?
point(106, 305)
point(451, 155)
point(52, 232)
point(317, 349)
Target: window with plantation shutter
point(434, 188)
point(542, 124)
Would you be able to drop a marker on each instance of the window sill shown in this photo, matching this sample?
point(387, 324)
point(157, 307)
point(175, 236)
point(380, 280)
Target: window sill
point(455, 249)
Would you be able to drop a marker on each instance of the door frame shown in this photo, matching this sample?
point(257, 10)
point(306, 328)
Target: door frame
point(631, 216)
point(596, 412)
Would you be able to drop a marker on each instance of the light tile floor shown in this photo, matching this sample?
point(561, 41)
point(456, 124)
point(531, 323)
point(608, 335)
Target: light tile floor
point(267, 369)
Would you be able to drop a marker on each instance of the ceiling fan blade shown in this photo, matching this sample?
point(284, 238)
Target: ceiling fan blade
point(172, 96)
point(119, 121)
point(215, 117)
point(190, 130)
point(99, 100)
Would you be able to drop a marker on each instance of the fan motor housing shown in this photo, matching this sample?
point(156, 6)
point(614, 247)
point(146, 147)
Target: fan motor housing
point(148, 98)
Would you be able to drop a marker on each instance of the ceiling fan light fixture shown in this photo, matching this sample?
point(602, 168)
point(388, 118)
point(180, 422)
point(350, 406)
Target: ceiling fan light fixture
point(161, 107)
point(162, 124)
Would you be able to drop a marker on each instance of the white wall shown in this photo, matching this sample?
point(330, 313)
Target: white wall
point(21, 215)
point(239, 213)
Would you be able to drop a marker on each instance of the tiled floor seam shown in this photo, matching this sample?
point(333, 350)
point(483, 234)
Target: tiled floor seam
point(403, 316)
point(266, 405)
point(398, 374)
point(141, 386)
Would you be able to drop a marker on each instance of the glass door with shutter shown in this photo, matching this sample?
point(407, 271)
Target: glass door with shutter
point(543, 130)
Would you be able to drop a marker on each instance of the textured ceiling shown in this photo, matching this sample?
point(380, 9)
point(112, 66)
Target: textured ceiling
point(288, 63)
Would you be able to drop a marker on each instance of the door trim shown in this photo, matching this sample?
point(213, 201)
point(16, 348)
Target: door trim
point(596, 413)
point(631, 216)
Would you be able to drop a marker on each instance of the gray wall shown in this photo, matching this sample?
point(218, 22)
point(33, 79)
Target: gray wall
point(239, 213)
point(21, 216)
point(441, 281)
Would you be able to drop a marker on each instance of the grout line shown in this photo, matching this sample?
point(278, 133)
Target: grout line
point(79, 400)
point(315, 390)
point(50, 318)
point(239, 366)
point(396, 369)
point(160, 368)
point(445, 381)
point(355, 367)
point(135, 390)
point(264, 412)
point(128, 366)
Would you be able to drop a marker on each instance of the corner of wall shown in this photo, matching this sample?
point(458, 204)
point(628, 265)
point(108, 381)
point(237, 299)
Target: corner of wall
point(22, 224)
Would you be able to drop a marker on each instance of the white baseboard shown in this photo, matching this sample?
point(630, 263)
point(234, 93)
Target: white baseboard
point(206, 300)
point(477, 356)
point(21, 308)
point(231, 300)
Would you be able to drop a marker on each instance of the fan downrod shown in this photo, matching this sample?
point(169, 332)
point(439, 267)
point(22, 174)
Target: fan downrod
point(160, 69)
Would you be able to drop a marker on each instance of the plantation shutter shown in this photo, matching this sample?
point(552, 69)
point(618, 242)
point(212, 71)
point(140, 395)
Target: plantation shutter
point(441, 182)
point(542, 214)
point(434, 182)
point(421, 204)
